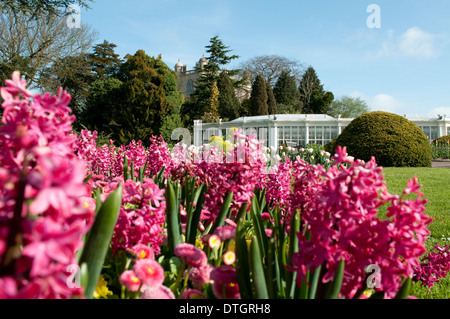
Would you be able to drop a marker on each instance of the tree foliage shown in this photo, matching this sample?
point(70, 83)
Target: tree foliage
point(142, 101)
point(271, 101)
point(216, 61)
point(73, 74)
point(37, 7)
point(228, 102)
point(105, 63)
point(211, 113)
point(347, 106)
point(314, 99)
point(32, 45)
point(286, 91)
point(258, 97)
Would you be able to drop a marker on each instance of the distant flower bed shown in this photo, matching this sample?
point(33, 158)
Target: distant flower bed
point(441, 150)
point(226, 220)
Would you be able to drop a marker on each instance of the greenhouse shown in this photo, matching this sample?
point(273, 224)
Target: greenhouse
point(298, 130)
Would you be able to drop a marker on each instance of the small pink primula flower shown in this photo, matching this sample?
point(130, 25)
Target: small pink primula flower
point(225, 232)
point(214, 242)
point(229, 257)
point(199, 276)
point(149, 272)
point(129, 279)
point(225, 284)
point(159, 292)
point(142, 251)
point(192, 255)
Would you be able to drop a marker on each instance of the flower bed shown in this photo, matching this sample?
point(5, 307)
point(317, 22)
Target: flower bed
point(79, 220)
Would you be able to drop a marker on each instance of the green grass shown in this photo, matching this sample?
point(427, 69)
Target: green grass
point(436, 188)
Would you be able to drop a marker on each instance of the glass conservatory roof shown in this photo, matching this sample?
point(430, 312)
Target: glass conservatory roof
point(283, 117)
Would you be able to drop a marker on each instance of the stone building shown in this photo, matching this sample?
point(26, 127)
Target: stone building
point(188, 78)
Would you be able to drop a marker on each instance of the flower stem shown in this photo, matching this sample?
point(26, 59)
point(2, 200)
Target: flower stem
point(180, 275)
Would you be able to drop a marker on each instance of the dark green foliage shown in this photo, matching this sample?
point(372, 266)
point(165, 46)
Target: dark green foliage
point(320, 102)
point(287, 109)
point(103, 106)
point(142, 101)
point(331, 146)
point(105, 63)
point(271, 101)
point(314, 99)
point(40, 6)
point(258, 98)
point(216, 61)
point(144, 94)
point(286, 92)
point(228, 103)
point(391, 139)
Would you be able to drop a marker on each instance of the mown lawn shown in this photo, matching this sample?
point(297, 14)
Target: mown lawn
point(436, 187)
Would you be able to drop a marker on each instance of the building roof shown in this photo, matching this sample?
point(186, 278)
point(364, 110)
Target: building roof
point(283, 117)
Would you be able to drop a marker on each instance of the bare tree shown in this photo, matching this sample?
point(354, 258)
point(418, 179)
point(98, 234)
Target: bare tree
point(270, 67)
point(34, 44)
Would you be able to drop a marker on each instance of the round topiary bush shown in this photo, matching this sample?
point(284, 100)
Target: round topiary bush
point(391, 139)
point(442, 140)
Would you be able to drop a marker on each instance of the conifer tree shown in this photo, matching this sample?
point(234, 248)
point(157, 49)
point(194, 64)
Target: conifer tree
point(105, 63)
point(258, 97)
point(271, 101)
point(142, 101)
point(211, 114)
point(217, 59)
point(315, 99)
point(286, 91)
point(228, 102)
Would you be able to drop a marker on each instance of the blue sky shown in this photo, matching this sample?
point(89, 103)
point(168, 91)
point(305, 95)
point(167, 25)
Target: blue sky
point(401, 67)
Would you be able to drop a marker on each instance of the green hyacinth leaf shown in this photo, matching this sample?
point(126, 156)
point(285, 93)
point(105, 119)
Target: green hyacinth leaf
point(257, 268)
point(99, 238)
point(403, 293)
point(336, 284)
point(242, 262)
point(174, 236)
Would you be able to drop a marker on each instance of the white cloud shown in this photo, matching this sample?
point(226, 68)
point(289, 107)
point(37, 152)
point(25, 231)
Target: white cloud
point(414, 42)
point(418, 43)
point(380, 102)
point(384, 102)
